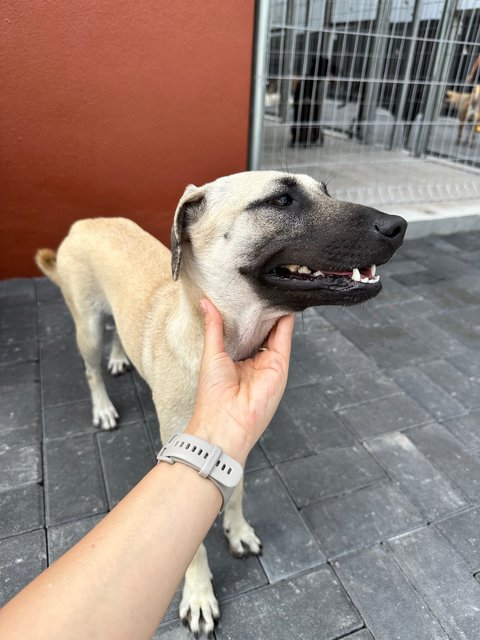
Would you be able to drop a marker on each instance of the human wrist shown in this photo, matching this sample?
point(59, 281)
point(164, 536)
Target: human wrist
point(217, 431)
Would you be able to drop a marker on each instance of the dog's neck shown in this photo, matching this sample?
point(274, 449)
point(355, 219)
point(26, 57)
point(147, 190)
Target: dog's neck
point(246, 326)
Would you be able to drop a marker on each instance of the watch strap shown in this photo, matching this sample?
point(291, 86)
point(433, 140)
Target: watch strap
point(208, 459)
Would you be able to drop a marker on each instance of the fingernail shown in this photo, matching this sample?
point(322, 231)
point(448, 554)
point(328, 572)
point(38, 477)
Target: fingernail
point(203, 306)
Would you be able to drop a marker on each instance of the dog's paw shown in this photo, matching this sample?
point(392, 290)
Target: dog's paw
point(199, 609)
point(117, 366)
point(242, 540)
point(105, 416)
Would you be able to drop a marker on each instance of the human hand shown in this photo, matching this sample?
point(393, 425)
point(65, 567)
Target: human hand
point(237, 400)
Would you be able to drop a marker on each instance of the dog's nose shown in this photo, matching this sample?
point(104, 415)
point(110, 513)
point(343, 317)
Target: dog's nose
point(392, 228)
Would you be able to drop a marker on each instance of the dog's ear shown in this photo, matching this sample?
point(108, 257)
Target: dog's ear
point(188, 208)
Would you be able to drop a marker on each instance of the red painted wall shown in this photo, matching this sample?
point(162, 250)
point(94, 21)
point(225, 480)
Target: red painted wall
point(112, 108)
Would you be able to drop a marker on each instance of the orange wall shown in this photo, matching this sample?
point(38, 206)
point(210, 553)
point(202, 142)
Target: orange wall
point(111, 107)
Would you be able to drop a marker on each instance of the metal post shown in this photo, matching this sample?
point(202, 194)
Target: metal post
point(287, 62)
point(440, 71)
point(417, 12)
point(258, 84)
point(325, 50)
point(382, 24)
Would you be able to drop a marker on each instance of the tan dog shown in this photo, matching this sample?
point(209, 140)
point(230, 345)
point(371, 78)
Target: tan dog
point(468, 107)
point(259, 245)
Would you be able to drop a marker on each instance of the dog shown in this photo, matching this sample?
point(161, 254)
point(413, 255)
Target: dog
point(468, 107)
point(259, 245)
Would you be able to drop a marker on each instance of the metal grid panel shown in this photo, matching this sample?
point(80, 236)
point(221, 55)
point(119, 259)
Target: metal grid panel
point(350, 85)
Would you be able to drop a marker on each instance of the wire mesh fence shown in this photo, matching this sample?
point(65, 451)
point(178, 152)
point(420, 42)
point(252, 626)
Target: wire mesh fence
point(365, 91)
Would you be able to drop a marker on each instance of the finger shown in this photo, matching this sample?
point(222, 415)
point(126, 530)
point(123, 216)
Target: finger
point(213, 322)
point(280, 340)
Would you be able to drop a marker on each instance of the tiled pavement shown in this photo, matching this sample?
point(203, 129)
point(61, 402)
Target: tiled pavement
point(365, 489)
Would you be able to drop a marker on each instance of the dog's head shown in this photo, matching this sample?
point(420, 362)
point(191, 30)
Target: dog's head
point(282, 239)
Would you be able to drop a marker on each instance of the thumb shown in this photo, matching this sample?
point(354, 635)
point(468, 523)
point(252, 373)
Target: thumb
point(213, 323)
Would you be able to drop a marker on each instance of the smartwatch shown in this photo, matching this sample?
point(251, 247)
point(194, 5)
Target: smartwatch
point(209, 460)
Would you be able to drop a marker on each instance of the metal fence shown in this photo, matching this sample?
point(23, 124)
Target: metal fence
point(364, 91)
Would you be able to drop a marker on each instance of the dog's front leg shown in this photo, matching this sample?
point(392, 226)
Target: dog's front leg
point(199, 604)
point(240, 535)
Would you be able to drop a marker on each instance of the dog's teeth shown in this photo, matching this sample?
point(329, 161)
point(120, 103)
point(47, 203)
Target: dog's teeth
point(318, 273)
point(356, 275)
point(375, 279)
point(292, 267)
point(364, 280)
point(304, 270)
point(373, 270)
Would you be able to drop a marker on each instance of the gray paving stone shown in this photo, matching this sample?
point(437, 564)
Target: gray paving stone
point(17, 291)
point(462, 324)
point(386, 601)
point(308, 606)
point(22, 558)
point(311, 322)
point(55, 321)
point(12, 352)
point(329, 473)
point(392, 413)
point(19, 405)
point(256, 459)
point(389, 345)
point(288, 546)
point(144, 393)
point(21, 510)
point(63, 537)
point(465, 241)
point(419, 277)
point(285, 440)
point(20, 414)
point(419, 480)
point(47, 291)
point(127, 456)
point(446, 453)
point(321, 426)
point(361, 518)
point(444, 582)
point(368, 315)
point(172, 631)
point(341, 391)
point(154, 431)
point(462, 532)
point(20, 465)
point(432, 397)
point(460, 387)
point(396, 266)
point(452, 268)
point(231, 576)
point(466, 429)
point(439, 341)
point(342, 351)
point(393, 292)
point(468, 362)
point(71, 496)
point(405, 313)
point(63, 420)
point(63, 377)
point(17, 373)
point(306, 367)
point(459, 292)
point(363, 634)
point(18, 323)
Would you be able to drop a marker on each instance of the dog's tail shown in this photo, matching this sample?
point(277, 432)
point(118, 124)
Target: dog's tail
point(46, 260)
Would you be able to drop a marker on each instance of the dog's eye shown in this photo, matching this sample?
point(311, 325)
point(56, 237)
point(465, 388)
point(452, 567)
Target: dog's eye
point(282, 201)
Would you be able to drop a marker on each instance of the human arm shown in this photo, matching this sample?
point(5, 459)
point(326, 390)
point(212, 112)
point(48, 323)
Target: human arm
point(119, 579)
